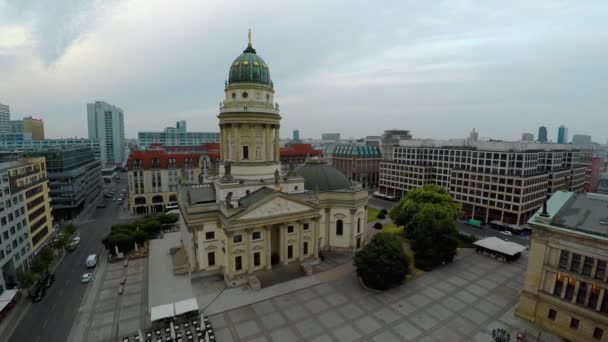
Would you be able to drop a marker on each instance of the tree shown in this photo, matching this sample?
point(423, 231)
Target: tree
point(404, 213)
point(167, 218)
point(26, 279)
point(382, 263)
point(377, 225)
point(47, 256)
point(70, 229)
point(123, 241)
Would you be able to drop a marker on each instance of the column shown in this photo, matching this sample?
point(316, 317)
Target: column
point(315, 237)
point(248, 251)
point(252, 143)
point(299, 239)
point(282, 246)
point(277, 145)
point(237, 143)
point(600, 299)
point(268, 233)
point(353, 230)
point(267, 149)
point(576, 287)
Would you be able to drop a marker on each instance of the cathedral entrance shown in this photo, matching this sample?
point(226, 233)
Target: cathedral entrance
point(275, 245)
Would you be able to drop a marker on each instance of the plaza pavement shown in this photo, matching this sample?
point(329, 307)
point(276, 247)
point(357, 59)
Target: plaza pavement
point(462, 301)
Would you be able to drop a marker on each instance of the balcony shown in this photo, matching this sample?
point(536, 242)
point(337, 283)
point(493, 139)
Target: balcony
point(16, 188)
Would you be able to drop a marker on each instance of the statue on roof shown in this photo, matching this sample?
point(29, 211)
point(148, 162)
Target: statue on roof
point(276, 176)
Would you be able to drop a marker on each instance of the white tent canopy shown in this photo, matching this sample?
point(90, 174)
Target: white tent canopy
point(184, 306)
point(6, 297)
point(161, 312)
point(501, 246)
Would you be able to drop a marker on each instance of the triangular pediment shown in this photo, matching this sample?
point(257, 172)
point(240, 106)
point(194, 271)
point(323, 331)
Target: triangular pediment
point(276, 206)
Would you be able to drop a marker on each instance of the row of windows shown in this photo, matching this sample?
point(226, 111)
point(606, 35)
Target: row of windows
point(40, 235)
point(33, 191)
point(38, 224)
point(36, 213)
point(574, 264)
point(598, 333)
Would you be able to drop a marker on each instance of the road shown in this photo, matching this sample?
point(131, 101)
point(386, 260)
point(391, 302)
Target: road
point(52, 317)
point(478, 232)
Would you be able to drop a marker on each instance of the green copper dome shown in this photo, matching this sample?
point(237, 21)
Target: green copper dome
point(249, 67)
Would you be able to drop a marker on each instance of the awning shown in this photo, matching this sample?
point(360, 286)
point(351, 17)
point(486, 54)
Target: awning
point(161, 312)
point(501, 246)
point(184, 306)
point(6, 297)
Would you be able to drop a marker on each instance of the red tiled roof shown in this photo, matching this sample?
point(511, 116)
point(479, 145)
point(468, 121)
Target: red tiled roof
point(148, 156)
point(299, 150)
point(213, 150)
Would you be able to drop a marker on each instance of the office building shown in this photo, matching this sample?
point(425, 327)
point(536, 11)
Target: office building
point(390, 139)
point(15, 248)
point(5, 119)
point(176, 136)
point(562, 135)
point(566, 290)
point(24, 142)
point(107, 126)
point(359, 163)
point(30, 125)
point(494, 181)
point(527, 137)
point(74, 178)
point(542, 134)
point(373, 140)
point(334, 137)
point(296, 135)
point(581, 139)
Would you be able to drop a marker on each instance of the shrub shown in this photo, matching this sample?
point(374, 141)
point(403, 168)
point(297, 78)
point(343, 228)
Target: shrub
point(377, 225)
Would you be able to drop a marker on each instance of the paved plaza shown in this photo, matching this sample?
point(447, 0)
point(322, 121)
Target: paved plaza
point(463, 301)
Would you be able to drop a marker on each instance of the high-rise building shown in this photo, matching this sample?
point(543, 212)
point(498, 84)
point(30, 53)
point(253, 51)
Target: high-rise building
point(542, 134)
point(562, 135)
point(29, 125)
point(106, 125)
point(527, 137)
point(565, 290)
point(473, 136)
point(502, 181)
point(335, 137)
point(176, 136)
point(581, 139)
point(296, 135)
point(5, 119)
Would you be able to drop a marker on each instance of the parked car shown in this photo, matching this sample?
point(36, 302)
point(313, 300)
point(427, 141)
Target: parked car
point(506, 232)
point(108, 195)
point(101, 206)
point(91, 261)
point(39, 292)
point(49, 279)
point(71, 246)
point(86, 277)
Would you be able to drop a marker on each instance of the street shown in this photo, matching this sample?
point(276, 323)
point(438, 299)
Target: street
point(52, 317)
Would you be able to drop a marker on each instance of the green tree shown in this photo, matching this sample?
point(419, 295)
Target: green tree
point(70, 229)
point(140, 236)
point(38, 266)
point(123, 241)
point(433, 238)
point(404, 213)
point(26, 279)
point(167, 218)
point(382, 263)
point(151, 227)
point(47, 255)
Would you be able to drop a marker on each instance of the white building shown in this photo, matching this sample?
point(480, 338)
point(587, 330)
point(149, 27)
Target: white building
point(5, 119)
point(106, 125)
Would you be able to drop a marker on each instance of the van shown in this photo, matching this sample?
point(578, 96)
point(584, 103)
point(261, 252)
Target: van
point(91, 261)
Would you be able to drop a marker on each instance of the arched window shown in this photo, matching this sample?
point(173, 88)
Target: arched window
point(358, 225)
point(339, 227)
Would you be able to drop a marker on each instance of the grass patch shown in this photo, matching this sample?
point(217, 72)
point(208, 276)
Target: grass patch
point(372, 214)
point(393, 229)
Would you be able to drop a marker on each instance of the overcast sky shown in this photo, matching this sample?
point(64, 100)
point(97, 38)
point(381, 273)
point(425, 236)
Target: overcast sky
point(437, 68)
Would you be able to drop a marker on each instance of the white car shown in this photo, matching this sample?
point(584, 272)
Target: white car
point(76, 239)
point(87, 277)
point(506, 232)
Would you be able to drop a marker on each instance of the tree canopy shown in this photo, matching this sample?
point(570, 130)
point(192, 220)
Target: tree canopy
point(382, 263)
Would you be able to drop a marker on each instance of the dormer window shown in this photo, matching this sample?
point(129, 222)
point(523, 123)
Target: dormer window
point(156, 163)
point(171, 162)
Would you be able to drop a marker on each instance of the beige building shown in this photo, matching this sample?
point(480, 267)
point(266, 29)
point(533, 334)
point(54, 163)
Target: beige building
point(29, 177)
point(248, 217)
point(565, 291)
point(29, 125)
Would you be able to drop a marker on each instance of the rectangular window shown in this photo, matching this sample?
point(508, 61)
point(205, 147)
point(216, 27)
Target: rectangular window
point(290, 229)
point(289, 252)
point(563, 259)
point(211, 258)
point(256, 235)
point(587, 266)
point(574, 323)
point(245, 152)
point(256, 259)
point(582, 293)
point(237, 238)
point(593, 296)
point(571, 282)
point(209, 235)
point(598, 333)
point(600, 270)
point(238, 263)
point(576, 262)
point(305, 248)
point(552, 314)
point(305, 226)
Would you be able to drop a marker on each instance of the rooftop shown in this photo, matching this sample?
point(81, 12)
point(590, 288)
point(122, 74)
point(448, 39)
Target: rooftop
point(521, 146)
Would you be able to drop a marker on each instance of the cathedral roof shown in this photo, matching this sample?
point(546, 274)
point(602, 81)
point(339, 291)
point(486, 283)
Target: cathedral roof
point(249, 67)
point(318, 175)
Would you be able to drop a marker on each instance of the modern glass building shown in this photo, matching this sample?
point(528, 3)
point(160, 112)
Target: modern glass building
point(106, 125)
point(176, 136)
point(542, 134)
point(562, 135)
point(24, 142)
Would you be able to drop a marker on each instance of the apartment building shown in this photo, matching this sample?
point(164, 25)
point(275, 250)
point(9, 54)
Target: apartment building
point(107, 126)
point(494, 181)
point(176, 136)
point(566, 286)
point(154, 176)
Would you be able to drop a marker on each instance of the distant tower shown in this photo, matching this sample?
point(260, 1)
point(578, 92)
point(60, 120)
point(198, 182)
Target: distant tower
point(296, 135)
point(562, 135)
point(473, 136)
point(542, 134)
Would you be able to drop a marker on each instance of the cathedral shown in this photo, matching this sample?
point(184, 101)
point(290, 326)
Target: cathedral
point(246, 215)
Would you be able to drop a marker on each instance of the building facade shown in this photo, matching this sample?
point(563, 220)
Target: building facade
point(494, 181)
point(74, 178)
point(24, 142)
point(527, 137)
point(248, 217)
point(15, 248)
point(566, 291)
point(581, 139)
point(562, 135)
point(176, 136)
point(542, 134)
point(106, 125)
point(390, 140)
point(5, 119)
point(293, 155)
point(154, 176)
point(359, 163)
point(30, 125)
point(335, 137)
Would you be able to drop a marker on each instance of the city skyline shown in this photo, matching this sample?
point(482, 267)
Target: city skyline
point(503, 68)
